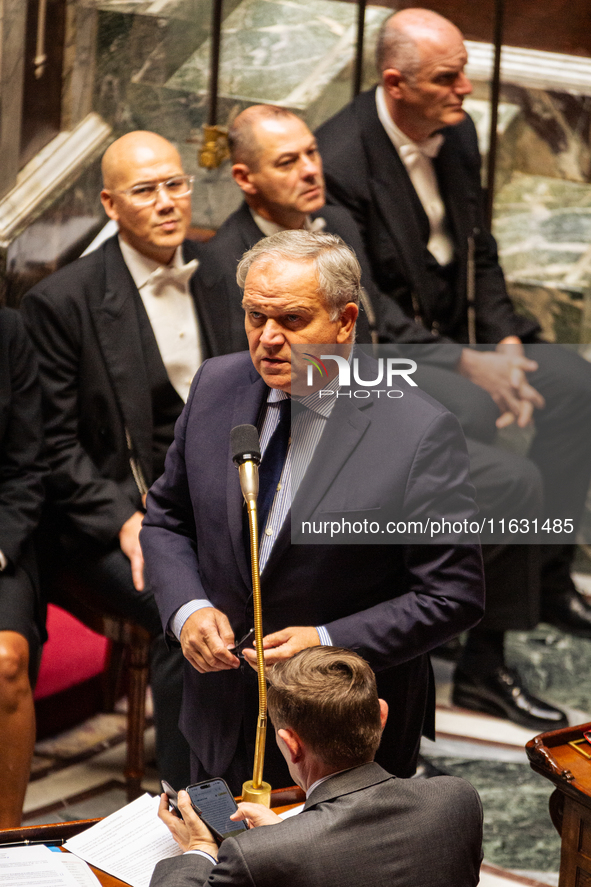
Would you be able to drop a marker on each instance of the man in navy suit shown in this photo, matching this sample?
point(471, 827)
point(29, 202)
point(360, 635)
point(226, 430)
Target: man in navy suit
point(390, 603)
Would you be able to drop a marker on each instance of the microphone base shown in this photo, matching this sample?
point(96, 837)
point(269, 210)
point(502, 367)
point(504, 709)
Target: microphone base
point(260, 795)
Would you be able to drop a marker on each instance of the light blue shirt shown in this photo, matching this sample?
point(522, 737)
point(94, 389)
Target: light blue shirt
point(307, 428)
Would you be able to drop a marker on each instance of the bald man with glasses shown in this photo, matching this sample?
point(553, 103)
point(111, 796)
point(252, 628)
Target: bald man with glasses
point(119, 336)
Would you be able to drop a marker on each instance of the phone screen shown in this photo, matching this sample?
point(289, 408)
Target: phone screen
point(215, 800)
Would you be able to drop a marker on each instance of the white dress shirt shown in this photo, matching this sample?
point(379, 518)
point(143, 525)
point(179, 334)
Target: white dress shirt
point(419, 166)
point(165, 292)
point(316, 226)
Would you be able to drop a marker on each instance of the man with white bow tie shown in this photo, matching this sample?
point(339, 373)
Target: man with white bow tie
point(403, 159)
point(120, 335)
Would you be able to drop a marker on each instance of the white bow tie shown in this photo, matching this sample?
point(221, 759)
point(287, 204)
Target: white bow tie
point(316, 226)
point(427, 148)
point(167, 275)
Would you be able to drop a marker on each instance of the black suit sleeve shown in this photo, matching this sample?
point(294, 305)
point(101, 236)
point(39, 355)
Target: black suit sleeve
point(21, 443)
point(96, 505)
point(391, 322)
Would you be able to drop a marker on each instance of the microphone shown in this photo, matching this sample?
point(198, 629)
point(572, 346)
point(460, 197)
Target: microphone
point(246, 455)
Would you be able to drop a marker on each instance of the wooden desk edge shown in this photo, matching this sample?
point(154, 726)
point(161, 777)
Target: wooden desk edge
point(282, 798)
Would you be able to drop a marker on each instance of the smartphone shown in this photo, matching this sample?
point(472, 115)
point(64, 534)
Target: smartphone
point(172, 797)
point(239, 648)
point(213, 801)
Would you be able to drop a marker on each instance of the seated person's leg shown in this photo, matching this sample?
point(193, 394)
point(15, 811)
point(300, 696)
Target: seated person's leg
point(474, 407)
point(507, 486)
point(19, 646)
point(561, 447)
point(106, 572)
point(562, 451)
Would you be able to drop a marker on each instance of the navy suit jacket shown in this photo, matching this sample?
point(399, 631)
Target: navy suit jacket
point(390, 603)
point(362, 824)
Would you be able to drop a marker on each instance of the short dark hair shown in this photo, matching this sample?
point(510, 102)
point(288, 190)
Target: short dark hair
point(328, 696)
point(242, 141)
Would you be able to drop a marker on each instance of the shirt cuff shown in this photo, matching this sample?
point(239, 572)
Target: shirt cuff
point(178, 619)
point(324, 636)
point(201, 853)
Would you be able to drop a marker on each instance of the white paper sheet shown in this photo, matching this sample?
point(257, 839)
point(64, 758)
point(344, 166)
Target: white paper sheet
point(79, 870)
point(293, 812)
point(34, 867)
point(128, 843)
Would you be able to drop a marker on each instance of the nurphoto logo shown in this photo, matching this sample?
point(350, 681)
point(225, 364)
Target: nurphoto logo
point(388, 369)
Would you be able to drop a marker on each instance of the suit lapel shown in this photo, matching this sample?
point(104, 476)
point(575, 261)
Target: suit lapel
point(346, 426)
point(248, 400)
point(211, 330)
point(115, 318)
point(250, 231)
point(390, 184)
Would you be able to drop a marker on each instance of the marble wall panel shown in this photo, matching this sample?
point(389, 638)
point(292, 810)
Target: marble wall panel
point(13, 14)
point(79, 63)
point(285, 53)
point(57, 236)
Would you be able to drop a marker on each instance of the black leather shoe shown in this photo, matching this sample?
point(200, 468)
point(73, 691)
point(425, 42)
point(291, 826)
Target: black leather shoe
point(502, 694)
point(569, 611)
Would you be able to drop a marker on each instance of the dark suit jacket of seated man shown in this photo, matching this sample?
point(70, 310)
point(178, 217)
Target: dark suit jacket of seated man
point(119, 334)
point(358, 822)
point(392, 603)
point(404, 160)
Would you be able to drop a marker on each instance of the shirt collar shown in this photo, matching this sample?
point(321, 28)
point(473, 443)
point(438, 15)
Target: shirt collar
point(314, 402)
point(396, 136)
point(140, 266)
point(324, 778)
point(268, 227)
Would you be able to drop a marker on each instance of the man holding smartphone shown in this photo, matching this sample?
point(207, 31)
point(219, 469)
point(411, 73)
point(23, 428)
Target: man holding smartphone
point(357, 817)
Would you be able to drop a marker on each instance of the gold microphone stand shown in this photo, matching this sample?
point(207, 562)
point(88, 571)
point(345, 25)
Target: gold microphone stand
point(255, 790)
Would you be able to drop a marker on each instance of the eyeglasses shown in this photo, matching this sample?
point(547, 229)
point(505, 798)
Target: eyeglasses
point(147, 193)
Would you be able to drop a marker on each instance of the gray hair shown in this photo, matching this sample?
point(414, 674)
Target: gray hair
point(337, 270)
point(397, 49)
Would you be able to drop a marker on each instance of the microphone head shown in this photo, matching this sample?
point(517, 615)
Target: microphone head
point(244, 440)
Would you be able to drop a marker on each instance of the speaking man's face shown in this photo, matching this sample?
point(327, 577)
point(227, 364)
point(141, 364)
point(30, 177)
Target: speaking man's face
point(283, 308)
point(433, 98)
point(285, 182)
point(154, 230)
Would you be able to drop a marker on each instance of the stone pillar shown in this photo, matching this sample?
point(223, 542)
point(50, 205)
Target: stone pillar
point(13, 19)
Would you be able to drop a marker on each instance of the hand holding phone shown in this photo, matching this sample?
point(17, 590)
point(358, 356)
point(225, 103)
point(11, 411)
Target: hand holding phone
point(214, 803)
point(190, 832)
point(172, 796)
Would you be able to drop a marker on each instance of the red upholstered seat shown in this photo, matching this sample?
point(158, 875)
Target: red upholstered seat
point(73, 654)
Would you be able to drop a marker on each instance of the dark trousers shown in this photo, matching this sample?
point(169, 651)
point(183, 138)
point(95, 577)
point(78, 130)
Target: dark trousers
point(107, 572)
point(552, 481)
